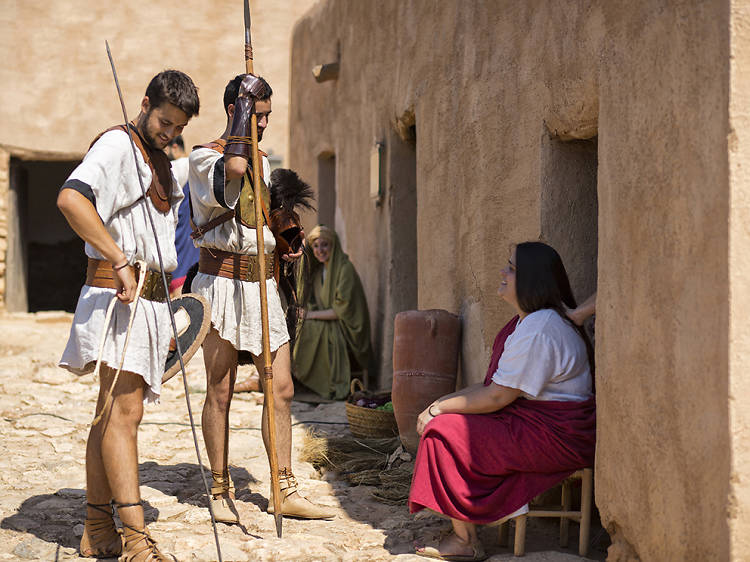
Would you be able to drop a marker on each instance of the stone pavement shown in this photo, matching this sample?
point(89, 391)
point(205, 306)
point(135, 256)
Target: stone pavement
point(45, 413)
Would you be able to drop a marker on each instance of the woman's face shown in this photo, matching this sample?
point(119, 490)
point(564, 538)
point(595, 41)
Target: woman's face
point(507, 290)
point(322, 250)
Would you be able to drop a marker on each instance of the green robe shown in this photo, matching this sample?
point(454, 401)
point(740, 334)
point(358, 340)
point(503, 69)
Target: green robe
point(323, 348)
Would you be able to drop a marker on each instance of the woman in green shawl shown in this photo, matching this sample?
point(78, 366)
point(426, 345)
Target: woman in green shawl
point(336, 327)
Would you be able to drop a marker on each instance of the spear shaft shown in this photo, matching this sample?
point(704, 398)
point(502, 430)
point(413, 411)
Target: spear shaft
point(273, 459)
point(169, 300)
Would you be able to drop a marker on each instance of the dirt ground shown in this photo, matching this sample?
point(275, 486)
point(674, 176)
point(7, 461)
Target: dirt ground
point(44, 421)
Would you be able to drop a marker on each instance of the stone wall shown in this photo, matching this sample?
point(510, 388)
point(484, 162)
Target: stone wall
point(491, 86)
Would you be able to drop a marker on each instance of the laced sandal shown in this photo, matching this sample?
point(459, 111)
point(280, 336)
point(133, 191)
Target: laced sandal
point(101, 538)
point(222, 506)
point(293, 504)
point(138, 546)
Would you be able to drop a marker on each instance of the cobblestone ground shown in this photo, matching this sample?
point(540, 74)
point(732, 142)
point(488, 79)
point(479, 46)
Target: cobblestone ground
point(45, 413)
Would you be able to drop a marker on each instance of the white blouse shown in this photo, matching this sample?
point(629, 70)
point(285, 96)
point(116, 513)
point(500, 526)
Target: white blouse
point(546, 359)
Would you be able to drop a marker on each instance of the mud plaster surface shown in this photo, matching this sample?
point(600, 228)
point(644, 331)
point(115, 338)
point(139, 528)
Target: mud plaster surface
point(45, 414)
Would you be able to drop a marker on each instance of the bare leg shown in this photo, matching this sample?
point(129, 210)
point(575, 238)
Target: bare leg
point(293, 504)
point(283, 393)
point(220, 359)
point(112, 449)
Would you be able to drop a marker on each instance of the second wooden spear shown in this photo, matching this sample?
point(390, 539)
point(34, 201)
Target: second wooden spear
point(267, 364)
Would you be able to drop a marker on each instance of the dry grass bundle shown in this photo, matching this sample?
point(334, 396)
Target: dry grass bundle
point(363, 462)
point(395, 483)
point(314, 449)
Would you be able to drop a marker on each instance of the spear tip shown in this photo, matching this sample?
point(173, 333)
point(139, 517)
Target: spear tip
point(277, 517)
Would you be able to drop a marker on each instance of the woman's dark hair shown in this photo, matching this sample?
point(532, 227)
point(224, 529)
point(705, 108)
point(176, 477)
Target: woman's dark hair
point(233, 89)
point(175, 87)
point(542, 282)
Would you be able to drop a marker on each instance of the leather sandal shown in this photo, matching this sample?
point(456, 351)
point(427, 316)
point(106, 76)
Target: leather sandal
point(223, 506)
point(101, 538)
point(433, 551)
point(297, 506)
point(138, 546)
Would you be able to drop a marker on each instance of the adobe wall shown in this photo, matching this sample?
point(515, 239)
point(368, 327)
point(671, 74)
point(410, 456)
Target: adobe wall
point(57, 90)
point(56, 86)
point(739, 268)
point(491, 85)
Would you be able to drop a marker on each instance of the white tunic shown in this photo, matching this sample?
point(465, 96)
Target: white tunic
point(235, 305)
point(109, 169)
point(546, 359)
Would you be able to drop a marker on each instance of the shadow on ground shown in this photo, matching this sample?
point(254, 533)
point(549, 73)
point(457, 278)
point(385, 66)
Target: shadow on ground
point(184, 482)
point(402, 529)
point(58, 518)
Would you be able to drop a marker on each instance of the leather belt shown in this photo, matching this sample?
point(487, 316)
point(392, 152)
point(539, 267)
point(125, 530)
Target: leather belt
point(99, 274)
point(233, 266)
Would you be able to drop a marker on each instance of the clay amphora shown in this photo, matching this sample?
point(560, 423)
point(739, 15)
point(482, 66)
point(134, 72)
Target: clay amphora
point(425, 364)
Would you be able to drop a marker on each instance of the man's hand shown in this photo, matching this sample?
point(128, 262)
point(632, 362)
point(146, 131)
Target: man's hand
point(298, 254)
point(293, 257)
point(126, 284)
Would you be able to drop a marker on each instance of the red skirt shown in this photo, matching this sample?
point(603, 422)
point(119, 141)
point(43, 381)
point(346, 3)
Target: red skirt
point(482, 467)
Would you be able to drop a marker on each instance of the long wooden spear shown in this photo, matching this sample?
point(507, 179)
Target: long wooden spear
point(273, 459)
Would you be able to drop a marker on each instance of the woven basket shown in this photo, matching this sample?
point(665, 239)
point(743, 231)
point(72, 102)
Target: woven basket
point(368, 422)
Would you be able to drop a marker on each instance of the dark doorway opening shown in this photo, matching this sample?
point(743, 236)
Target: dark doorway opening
point(569, 208)
point(401, 287)
point(48, 250)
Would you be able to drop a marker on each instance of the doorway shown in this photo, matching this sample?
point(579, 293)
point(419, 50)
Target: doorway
point(46, 264)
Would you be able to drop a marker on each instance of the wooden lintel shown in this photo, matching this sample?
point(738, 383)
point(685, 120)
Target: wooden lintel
point(23, 153)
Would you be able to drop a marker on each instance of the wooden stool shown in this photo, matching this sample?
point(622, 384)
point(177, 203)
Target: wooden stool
point(583, 517)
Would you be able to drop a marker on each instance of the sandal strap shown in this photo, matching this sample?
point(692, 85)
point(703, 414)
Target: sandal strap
point(222, 483)
point(98, 507)
point(287, 482)
point(138, 542)
point(119, 505)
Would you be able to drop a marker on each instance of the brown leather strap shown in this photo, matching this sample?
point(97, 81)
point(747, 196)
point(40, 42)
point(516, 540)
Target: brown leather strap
point(233, 266)
point(99, 274)
point(199, 231)
point(160, 190)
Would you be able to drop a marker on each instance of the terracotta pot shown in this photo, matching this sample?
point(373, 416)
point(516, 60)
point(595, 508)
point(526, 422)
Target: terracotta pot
point(425, 364)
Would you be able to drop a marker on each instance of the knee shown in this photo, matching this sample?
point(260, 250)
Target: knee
point(127, 412)
point(283, 390)
point(219, 395)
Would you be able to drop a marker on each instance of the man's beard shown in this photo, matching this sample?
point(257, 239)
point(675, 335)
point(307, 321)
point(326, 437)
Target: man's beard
point(146, 134)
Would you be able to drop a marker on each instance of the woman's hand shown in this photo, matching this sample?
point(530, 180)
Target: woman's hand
point(427, 414)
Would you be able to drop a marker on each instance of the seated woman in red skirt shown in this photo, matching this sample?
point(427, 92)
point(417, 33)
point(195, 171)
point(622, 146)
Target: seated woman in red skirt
point(488, 449)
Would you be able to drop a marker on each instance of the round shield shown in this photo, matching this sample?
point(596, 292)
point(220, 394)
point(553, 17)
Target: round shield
point(192, 315)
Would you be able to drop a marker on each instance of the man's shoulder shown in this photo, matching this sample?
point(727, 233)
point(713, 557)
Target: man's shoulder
point(216, 145)
point(109, 143)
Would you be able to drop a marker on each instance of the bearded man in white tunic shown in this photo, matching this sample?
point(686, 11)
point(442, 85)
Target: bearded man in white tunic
point(103, 202)
point(223, 211)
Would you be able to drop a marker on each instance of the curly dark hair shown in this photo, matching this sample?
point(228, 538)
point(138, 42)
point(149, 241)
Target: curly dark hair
point(175, 87)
